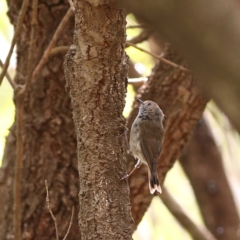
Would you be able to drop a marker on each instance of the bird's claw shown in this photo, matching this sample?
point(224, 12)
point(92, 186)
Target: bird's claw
point(124, 177)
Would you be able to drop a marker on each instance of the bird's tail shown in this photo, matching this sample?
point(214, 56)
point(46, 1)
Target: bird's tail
point(154, 182)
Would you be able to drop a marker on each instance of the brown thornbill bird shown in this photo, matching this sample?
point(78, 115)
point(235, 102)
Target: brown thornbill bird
point(146, 137)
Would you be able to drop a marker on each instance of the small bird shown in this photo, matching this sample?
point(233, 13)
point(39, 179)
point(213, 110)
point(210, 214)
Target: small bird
point(146, 137)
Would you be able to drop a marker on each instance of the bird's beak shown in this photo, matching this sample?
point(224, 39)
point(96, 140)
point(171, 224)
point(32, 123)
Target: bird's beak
point(140, 100)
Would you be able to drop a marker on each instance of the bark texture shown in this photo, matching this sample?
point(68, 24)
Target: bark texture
point(96, 74)
point(176, 94)
point(202, 162)
point(48, 136)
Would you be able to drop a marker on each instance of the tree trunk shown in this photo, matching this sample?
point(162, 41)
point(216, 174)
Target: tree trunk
point(48, 136)
point(202, 162)
point(96, 74)
point(175, 92)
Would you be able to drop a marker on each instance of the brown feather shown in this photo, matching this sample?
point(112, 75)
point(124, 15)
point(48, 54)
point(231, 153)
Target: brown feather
point(151, 144)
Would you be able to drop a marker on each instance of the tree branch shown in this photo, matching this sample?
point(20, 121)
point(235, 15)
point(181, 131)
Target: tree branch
point(20, 96)
point(70, 224)
point(202, 163)
point(18, 170)
point(12, 83)
point(59, 50)
point(174, 91)
point(71, 5)
point(197, 232)
point(143, 36)
point(157, 57)
point(32, 46)
point(50, 210)
point(212, 55)
point(52, 43)
point(139, 26)
point(14, 40)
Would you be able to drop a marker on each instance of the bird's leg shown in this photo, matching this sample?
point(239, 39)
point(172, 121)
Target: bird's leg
point(137, 165)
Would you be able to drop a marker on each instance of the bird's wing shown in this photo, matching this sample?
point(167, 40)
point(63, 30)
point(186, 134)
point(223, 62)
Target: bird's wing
point(151, 149)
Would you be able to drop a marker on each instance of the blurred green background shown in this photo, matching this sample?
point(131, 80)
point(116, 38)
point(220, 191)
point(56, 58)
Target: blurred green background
point(158, 223)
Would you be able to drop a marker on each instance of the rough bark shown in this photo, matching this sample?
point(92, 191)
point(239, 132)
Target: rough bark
point(96, 73)
point(49, 137)
point(206, 33)
point(202, 162)
point(175, 92)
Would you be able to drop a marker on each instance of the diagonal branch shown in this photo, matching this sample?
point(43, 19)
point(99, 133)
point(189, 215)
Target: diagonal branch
point(157, 57)
point(52, 43)
point(174, 91)
point(32, 47)
point(20, 95)
point(212, 55)
point(50, 210)
point(18, 171)
point(12, 83)
point(138, 26)
point(14, 40)
point(59, 50)
point(143, 36)
point(202, 163)
point(70, 224)
point(197, 232)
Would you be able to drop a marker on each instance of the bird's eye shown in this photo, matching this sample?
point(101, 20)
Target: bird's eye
point(149, 104)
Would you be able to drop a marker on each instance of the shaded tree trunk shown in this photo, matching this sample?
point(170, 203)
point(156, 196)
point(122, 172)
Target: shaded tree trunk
point(96, 74)
point(202, 162)
point(48, 136)
point(175, 92)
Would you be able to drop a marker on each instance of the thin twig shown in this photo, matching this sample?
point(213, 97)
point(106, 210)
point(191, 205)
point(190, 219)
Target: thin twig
point(51, 44)
point(31, 50)
point(71, 5)
point(20, 95)
point(54, 218)
point(197, 232)
point(12, 83)
point(139, 26)
point(157, 57)
point(50, 210)
point(70, 224)
point(18, 171)
point(137, 82)
point(14, 40)
point(143, 36)
point(59, 50)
